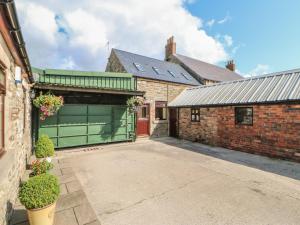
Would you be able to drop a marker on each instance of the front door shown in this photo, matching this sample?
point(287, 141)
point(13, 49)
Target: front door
point(143, 121)
point(173, 122)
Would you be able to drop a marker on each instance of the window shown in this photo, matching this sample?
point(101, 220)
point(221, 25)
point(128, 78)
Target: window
point(195, 114)
point(157, 71)
point(185, 76)
point(160, 110)
point(143, 112)
point(138, 66)
point(2, 94)
point(172, 74)
point(244, 115)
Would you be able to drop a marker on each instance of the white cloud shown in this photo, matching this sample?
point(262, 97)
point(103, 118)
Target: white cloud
point(225, 19)
point(210, 23)
point(260, 69)
point(228, 40)
point(74, 35)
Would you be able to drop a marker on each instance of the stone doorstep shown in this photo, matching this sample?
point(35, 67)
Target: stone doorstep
point(72, 206)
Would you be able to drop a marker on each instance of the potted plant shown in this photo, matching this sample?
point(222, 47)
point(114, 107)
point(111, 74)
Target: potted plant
point(134, 102)
point(39, 195)
point(48, 103)
point(44, 148)
point(39, 167)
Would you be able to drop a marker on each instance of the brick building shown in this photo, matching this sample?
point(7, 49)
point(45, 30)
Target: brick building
point(15, 108)
point(258, 115)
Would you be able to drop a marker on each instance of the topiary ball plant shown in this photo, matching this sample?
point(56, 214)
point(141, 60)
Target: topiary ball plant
point(44, 147)
point(39, 191)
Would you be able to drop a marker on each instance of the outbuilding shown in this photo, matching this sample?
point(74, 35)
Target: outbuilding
point(94, 109)
point(258, 115)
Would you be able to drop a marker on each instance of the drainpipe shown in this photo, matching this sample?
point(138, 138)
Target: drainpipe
point(15, 31)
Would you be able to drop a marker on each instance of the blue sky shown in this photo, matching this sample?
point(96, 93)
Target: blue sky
point(261, 36)
point(266, 32)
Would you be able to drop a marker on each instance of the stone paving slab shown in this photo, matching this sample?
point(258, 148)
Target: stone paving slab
point(72, 207)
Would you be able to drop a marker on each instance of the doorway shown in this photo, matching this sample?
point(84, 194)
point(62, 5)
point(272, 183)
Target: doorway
point(143, 120)
point(173, 124)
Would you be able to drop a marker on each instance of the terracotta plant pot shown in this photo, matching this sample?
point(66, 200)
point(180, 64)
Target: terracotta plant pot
point(42, 216)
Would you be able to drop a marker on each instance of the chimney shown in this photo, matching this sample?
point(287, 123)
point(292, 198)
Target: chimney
point(170, 48)
point(230, 65)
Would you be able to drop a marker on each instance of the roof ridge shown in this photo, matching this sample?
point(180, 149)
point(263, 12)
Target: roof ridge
point(211, 64)
point(115, 49)
point(282, 73)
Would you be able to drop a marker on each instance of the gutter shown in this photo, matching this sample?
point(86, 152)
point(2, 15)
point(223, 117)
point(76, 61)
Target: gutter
point(15, 31)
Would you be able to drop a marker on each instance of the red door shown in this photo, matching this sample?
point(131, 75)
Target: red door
point(143, 121)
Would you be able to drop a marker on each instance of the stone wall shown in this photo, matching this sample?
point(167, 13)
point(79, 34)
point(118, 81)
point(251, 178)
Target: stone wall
point(17, 135)
point(275, 131)
point(158, 91)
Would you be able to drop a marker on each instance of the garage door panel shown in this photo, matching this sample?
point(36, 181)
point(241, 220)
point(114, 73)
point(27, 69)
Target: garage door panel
point(69, 120)
point(76, 125)
point(50, 131)
point(72, 131)
point(73, 110)
point(50, 121)
point(100, 110)
point(95, 139)
point(72, 141)
point(99, 129)
point(99, 119)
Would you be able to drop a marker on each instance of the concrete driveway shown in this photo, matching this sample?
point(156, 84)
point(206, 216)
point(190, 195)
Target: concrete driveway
point(170, 182)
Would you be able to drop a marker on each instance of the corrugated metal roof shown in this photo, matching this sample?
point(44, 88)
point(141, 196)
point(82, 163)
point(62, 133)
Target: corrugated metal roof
point(206, 70)
point(149, 68)
point(275, 87)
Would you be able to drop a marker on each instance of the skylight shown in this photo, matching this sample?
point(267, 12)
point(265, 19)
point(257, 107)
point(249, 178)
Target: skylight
point(157, 71)
point(185, 76)
point(172, 74)
point(138, 66)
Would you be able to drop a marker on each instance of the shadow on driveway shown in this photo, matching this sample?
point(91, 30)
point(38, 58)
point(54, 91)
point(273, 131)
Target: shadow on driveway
point(277, 166)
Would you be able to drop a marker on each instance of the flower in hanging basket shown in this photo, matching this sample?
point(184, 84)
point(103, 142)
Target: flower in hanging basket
point(48, 104)
point(134, 103)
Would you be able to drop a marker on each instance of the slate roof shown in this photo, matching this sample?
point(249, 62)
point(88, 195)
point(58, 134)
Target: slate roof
point(180, 75)
point(206, 70)
point(272, 88)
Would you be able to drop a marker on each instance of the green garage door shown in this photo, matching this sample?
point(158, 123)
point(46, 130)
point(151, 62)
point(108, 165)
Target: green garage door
point(81, 124)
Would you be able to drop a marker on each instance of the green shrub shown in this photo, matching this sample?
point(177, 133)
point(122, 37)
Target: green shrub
point(39, 167)
point(44, 147)
point(39, 191)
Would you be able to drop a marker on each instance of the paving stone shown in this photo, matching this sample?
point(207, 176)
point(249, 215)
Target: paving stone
point(96, 222)
point(63, 189)
point(71, 200)
point(65, 217)
point(64, 165)
point(66, 178)
point(73, 186)
point(85, 214)
point(67, 170)
point(56, 172)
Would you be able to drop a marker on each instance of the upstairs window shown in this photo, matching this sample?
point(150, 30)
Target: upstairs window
point(156, 70)
point(195, 114)
point(244, 115)
point(160, 110)
point(172, 74)
point(139, 67)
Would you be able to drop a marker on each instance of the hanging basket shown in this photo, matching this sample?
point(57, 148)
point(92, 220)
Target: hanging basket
point(48, 104)
point(134, 103)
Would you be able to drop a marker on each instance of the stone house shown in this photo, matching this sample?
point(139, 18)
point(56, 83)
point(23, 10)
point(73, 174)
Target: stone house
point(15, 108)
point(204, 72)
point(259, 115)
point(160, 80)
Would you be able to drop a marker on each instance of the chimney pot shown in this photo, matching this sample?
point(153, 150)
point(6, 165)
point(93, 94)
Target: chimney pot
point(230, 65)
point(170, 48)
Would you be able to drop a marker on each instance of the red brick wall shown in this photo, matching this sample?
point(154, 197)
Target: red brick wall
point(275, 131)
